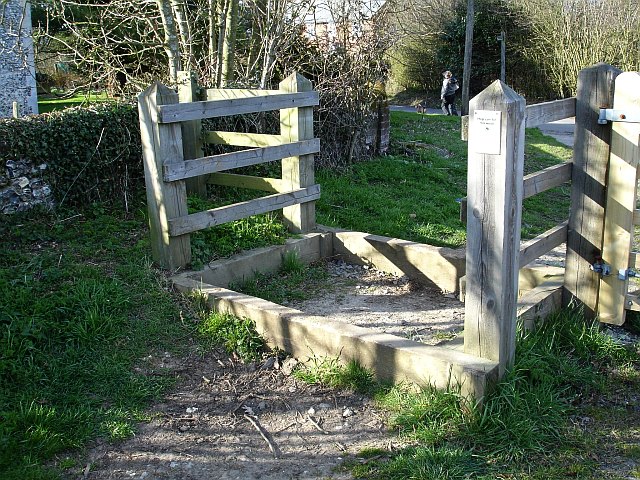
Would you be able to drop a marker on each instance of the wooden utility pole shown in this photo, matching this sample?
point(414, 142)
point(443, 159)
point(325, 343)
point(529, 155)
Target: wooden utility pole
point(468, 46)
point(503, 56)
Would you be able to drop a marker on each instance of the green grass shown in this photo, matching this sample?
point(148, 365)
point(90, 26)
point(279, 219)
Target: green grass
point(413, 193)
point(52, 104)
point(332, 373)
point(236, 335)
point(81, 309)
point(79, 304)
point(293, 281)
point(563, 371)
point(227, 239)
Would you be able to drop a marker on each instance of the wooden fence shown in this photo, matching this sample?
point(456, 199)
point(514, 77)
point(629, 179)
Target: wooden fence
point(172, 140)
point(599, 230)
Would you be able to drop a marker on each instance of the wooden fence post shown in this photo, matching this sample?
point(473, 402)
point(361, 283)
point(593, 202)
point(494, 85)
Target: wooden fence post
point(622, 186)
point(161, 145)
point(191, 131)
point(494, 211)
point(588, 179)
point(296, 124)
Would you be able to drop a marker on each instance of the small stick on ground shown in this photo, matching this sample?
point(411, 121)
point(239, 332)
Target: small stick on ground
point(315, 424)
point(266, 435)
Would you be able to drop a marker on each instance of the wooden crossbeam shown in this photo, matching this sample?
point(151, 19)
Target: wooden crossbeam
point(230, 213)
point(547, 179)
point(543, 243)
point(240, 139)
point(236, 106)
point(228, 93)
point(541, 113)
point(244, 158)
point(264, 184)
point(534, 183)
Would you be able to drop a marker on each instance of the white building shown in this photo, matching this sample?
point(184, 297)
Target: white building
point(17, 68)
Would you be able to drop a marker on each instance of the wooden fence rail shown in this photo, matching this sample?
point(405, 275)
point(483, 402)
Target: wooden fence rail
point(172, 139)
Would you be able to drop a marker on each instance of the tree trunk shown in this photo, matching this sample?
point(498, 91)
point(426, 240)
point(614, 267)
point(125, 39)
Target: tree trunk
point(171, 44)
point(179, 13)
point(229, 43)
point(222, 8)
point(211, 25)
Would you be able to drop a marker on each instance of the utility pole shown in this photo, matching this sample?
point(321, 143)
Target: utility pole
point(503, 56)
point(468, 46)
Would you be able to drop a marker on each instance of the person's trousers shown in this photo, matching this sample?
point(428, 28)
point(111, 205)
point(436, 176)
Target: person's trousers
point(448, 105)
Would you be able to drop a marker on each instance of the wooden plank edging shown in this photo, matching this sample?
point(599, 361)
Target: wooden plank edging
point(389, 357)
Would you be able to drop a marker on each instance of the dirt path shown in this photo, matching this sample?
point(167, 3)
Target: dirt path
point(207, 428)
point(372, 299)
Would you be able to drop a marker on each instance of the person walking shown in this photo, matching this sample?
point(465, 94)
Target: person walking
point(448, 93)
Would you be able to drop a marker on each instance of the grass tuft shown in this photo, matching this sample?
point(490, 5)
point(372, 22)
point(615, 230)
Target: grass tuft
point(330, 372)
point(236, 335)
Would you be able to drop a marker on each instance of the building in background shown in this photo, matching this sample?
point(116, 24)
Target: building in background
point(17, 69)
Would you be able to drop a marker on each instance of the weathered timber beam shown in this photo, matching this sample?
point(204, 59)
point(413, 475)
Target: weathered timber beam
point(244, 158)
point(217, 216)
point(223, 108)
point(240, 139)
point(543, 243)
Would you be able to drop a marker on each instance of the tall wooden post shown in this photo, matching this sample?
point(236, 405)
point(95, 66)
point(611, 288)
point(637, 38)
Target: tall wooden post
point(468, 52)
point(161, 145)
point(297, 124)
point(494, 210)
point(622, 187)
point(191, 131)
point(588, 180)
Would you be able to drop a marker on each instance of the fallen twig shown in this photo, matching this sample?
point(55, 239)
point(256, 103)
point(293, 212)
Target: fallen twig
point(315, 424)
point(266, 435)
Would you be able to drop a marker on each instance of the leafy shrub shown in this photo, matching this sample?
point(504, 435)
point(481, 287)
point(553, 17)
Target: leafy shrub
point(92, 154)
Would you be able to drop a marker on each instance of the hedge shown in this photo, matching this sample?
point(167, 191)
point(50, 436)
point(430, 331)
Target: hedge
point(93, 154)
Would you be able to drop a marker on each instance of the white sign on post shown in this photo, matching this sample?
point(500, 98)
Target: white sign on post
point(486, 131)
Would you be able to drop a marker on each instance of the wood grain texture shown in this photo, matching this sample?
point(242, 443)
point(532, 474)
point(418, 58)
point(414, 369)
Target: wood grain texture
point(541, 113)
point(296, 124)
point(243, 158)
point(264, 184)
point(241, 139)
point(588, 178)
point(237, 106)
point(231, 93)
point(546, 179)
point(191, 131)
point(543, 243)
point(162, 145)
point(622, 185)
point(218, 216)
point(494, 209)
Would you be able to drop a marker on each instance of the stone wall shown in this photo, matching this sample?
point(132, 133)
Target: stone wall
point(17, 70)
point(22, 187)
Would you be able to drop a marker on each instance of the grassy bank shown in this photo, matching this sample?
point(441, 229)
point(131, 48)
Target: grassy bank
point(413, 193)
